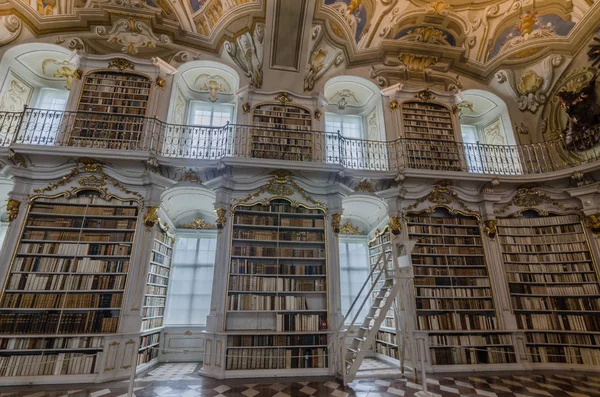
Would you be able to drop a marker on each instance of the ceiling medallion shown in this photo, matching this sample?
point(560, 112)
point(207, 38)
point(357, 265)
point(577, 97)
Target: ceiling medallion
point(121, 64)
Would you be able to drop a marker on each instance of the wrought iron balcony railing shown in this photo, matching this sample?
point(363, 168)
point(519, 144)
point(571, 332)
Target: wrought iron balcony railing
point(134, 133)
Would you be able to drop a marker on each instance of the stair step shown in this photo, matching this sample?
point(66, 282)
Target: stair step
point(353, 350)
point(360, 339)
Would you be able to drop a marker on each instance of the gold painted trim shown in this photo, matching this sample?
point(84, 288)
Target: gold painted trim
point(12, 209)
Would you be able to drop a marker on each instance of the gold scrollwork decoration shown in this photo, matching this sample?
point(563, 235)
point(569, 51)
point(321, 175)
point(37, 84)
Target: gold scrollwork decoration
point(531, 197)
point(442, 194)
point(395, 225)
point(425, 95)
point(151, 216)
point(490, 228)
point(335, 222)
point(365, 186)
point(160, 82)
point(284, 98)
point(190, 176)
point(393, 104)
point(221, 218)
point(288, 187)
point(92, 180)
point(351, 229)
point(318, 114)
point(121, 64)
point(197, 224)
point(12, 209)
point(594, 223)
point(246, 108)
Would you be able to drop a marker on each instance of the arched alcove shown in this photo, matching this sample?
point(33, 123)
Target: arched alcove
point(484, 118)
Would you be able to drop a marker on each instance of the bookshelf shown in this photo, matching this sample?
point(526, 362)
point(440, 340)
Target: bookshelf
point(453, 293)
point(65, 285)
point(277, 306)
point(430, 136)
point(122, 99)
point(282, 132)
point(553, 284)
point(155, 298)
point(385, 342)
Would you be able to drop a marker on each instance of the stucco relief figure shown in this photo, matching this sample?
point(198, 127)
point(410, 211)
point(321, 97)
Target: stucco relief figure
point(582, 132)
point(14, 98)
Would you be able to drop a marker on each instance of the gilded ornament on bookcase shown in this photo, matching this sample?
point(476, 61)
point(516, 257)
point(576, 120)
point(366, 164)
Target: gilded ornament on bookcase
point(160, 82)
point(318, 114)
point(529, 197)
point(246, 108)
point(92, 181)
point(393, 104)
point(190, 176)
point(490, 228)
point(425, 95)
point(12, 209)
point(335, 222)
point(78, 74)
point(351, 229)
point(121, 64)
point(197, 224)
point(221, 219)
point(443, 194)
point(395, 225)
point(593, 223)
point(151, 216)
point(284, 98)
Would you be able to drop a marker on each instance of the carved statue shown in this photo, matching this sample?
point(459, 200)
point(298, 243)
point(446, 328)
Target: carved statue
point(584, 117)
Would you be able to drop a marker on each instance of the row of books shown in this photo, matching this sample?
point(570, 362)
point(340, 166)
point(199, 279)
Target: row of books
point(277, 252)
point(276, 340)
point(81, 210)
point(551, 277)
point(242, 359)
point(56, 301)
point(165, 238)
point(75, 249)
point(146, 355)
point(544, 248)
point(85, 342)
point(562, 338)
point(50, 235)
point(161, 248)
point(148, 312)
point(453, 281)
point(69, 265)
point(567, 290)
point(159, 270)
point(301, 322)
point(279, 141)
point(280, 149)
point(387, 337)
point(55, 322)
point(449, 240)
point(285, 208)
point(155, 290)
point(50, 364)
point(459, 304)
point(424, 249)
point(556, 303)
point(449, 271)
point(281, 236)
point(281, 155)
point(567, 322)
point(442, 220)
point(85, 223)
point(250, 283)
point(282, 111)
point(160, 259)
point(449, 260)
point(445, 230)
point(151, 323)
point(154, 301)
point(549, 268)
point(564, 354)
point(149, 340)
point(545, 239)
point(245, 266)
point(541, 258)
point(387, 350)
point(558, 224)
point(455, 321)
point(479, 355)
point(154, 279)
point(37, 282)
point(261, 302)
point(470, 340)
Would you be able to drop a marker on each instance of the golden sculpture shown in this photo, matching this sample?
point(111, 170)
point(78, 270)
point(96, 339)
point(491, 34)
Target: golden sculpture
point(221, 219)
point(197, 224)
point(395, 225)
point(594, 223)
point(349, 228)
point(151, 216)
point(335, 222)
point(490, 228)
point(12, 209)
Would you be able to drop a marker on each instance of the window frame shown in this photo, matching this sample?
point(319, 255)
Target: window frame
point(341, 117)
point(194, 105)
point(348, 270)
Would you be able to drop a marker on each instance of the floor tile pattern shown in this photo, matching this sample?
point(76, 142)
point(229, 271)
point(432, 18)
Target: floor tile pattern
point(182, 380)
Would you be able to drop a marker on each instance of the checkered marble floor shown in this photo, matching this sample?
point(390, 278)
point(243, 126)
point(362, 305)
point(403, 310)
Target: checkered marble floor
point(181, 380)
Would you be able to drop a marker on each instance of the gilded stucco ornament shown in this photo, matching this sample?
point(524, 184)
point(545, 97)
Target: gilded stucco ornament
point(365, 186)
point(12, 27)
point(335, 222)
point(442, 194)
point(429, 35)
point(594, 52)
point(65, 70)
point(393, 104)
point(151, 216)
point(197, 224)
point(160, 82)
point(121, 64)
point(416, 62)
point(593, 221)
point(425, 95)
point(284, 98)
point(131, 35)
point(350, 229)
point(321, 59)
point(12, 209)
point(438, 8)
point(490, 228)
point(530, 197)
point(221, 218)
point(190, 176)
point(92, 181)
point(395, 225)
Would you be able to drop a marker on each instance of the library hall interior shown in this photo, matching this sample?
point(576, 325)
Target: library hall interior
point(299, 198)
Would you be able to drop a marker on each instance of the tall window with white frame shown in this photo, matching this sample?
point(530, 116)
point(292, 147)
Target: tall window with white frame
point(347, 146)
point(188, 300)
point(354, 270)
point(53, 102)
point(205, 134)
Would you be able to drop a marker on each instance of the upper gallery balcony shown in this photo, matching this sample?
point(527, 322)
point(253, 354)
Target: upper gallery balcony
point(126, 134)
